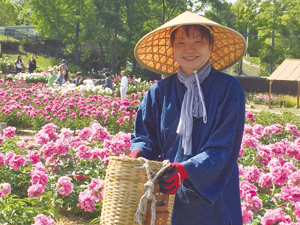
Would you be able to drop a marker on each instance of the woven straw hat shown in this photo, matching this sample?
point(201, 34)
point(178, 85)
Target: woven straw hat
point(153, 51)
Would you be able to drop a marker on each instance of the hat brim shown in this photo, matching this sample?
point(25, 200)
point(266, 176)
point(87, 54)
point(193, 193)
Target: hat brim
point(154, 52)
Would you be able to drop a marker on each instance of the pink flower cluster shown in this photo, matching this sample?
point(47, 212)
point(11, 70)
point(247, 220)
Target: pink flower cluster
point(275, 164)
point(5, 189)
point(41, 219)
point(13, 160)
point(55, 106)
point(39, 180)
point(64, 186)
point(93, 194)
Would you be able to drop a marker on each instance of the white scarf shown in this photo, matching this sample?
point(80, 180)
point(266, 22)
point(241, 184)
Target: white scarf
point(193, 104)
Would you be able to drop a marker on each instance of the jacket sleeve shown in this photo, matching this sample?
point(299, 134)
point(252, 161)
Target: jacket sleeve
point(146, 127)
point(212, 168)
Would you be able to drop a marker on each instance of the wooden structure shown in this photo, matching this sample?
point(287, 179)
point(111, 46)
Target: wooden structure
point(289, 70)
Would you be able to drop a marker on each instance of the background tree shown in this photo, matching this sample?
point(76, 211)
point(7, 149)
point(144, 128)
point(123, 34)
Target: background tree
point(8, 13)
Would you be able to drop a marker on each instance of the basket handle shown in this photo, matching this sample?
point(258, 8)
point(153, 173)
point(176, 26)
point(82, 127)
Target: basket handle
point(149, 189)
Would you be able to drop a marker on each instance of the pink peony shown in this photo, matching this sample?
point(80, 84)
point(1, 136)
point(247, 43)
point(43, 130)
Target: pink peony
point(265, 180)
point(64, 186)
point(279, 175)
point(16, 161)
point(39, 177)
point(65, 133)
point(85, 133)
point(290, 193)
point(1, 159)
point(61, 146)
point(97, 187)
point(83, 152)
point(35, 190)
point(273, 216)
point(9, 132)
point(5, 189)
point(247, 215)
point(40, 219)
point(33, 156)
point(87, 200)
point(48, 149)
point(251, 173)
point(8, 156)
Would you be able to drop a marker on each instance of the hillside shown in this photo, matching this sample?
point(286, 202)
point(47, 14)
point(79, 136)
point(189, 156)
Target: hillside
point(250, 69)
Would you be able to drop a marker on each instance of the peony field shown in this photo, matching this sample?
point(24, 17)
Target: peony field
point(62, 167)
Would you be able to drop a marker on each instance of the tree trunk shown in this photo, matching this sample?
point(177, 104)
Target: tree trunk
point(133, 69)
point(115, 52)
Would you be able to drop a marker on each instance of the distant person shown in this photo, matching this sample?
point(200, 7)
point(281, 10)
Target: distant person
point(62, 72)
point(108, 81)
point(19, 64)
point(51, 77)
point(78, 80)
point(124, 84)
point(32, 64)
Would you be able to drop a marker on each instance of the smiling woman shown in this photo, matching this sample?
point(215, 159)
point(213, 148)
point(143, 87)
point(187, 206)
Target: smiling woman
point(194, 117)
point(191, 46)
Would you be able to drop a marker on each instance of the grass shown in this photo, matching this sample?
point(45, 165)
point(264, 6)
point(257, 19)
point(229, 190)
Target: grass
point(254, 60)
point(290, 101)
point(258, 108)
point(43, 62)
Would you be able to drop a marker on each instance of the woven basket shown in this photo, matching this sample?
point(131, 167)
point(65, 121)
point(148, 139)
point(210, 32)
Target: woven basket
point(124, 187)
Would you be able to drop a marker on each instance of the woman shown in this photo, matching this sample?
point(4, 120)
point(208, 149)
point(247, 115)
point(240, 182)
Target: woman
point(32, 64)
point(194, 117)
point(19, 64)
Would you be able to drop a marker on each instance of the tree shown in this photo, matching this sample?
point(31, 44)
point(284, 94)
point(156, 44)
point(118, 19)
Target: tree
point(8, 13)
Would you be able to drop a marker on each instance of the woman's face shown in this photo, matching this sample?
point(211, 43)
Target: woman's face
point(190, 51)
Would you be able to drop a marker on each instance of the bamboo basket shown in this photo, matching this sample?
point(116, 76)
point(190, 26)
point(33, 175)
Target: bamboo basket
point(124, 187)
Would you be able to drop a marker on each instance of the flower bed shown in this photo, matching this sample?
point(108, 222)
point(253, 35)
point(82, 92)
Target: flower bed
point(31, 106)
point(63, 170)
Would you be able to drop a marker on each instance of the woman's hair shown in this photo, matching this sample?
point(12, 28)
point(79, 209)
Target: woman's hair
point(206, 33)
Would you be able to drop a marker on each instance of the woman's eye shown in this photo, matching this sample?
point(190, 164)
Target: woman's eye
point(199, 42)
point(180, 43)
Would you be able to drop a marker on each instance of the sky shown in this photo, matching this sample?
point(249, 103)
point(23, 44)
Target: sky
point(232, 1)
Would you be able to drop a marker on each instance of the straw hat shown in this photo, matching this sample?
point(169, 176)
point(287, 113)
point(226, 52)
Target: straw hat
point(153, 51)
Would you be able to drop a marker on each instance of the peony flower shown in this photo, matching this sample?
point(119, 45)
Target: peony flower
point(16, 161)
point(33, 156)
point(247, 215)
point(87, 200)
point(64, 186)
point(35, 190)
point(83, 152)
point(5, 189)
point(97, 187)
point(41, 219)
point(273, 216)
point(9, 132)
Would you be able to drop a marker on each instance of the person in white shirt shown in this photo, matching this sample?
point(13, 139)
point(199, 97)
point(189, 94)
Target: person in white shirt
point(19, 64)
point(124, 84)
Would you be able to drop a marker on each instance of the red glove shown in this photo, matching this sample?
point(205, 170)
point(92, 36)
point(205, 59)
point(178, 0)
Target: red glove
point(136, 153)
point(172, 178)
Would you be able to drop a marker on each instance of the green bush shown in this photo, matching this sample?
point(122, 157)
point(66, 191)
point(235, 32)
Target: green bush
point(9, 43)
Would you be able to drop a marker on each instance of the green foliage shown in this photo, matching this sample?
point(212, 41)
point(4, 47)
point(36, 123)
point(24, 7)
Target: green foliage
point(290, 101)
point(9, 43)
point(266, 118)
point(8, 13)
point(254, 60)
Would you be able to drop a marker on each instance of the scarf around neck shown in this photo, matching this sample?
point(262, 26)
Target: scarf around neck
point(193, 104)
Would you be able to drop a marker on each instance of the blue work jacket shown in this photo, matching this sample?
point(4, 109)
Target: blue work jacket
point(210, 196)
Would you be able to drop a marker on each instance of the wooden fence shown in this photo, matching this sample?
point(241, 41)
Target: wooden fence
point(255, 84)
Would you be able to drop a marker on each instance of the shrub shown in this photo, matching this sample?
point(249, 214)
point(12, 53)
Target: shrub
point(9, 43)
